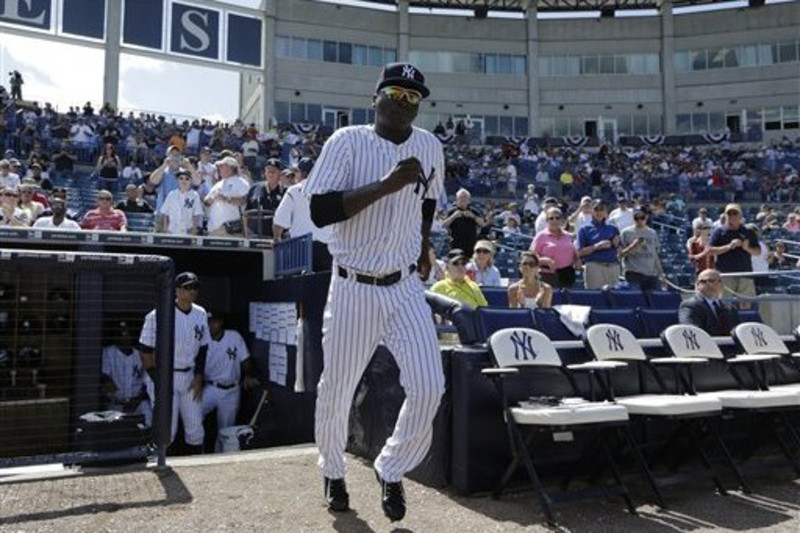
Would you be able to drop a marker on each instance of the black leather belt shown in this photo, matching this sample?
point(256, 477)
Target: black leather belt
point(187, 369)
point(229, 386)
point(380, 281)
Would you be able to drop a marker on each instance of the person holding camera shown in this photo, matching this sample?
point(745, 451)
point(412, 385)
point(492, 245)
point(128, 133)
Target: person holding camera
point(165, 179)
point(15, 81)
point(463, 221)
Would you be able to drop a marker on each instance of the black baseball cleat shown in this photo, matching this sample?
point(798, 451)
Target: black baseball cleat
point(393, 499)
point(336, 495)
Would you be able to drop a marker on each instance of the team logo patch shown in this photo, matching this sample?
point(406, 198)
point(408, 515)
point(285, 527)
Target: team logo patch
point(614, 341)
point(523, 345)
point(690, 338)
point(424, 183)
point(188, 203)
point(409, 72)
point(231, 352)
point(198, 332)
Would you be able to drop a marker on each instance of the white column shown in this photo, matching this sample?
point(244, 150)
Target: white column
point(268, 73)
point(532, 25)
point(668, 108)
point(112, 49)
point(402, 30)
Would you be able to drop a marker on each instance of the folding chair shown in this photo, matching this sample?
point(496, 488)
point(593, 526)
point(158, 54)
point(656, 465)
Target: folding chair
point(692, 414)
point(592, 297)
point(756, 338)
point(664, 299)
point(627, 318)
point(765, 404)
point(627, 298)
point(517, 353)
point(654, 321)
point(492, 319)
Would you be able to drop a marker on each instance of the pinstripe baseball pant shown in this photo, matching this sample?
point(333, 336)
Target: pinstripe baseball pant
point(357, 318)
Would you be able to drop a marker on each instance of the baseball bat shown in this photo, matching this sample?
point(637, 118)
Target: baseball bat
point(261, 403)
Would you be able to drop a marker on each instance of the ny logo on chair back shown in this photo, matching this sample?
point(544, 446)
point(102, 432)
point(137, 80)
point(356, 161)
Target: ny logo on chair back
point(523, 347)
point(609, 341)
point(614, 341)
point(757, 338)
point(690, 341)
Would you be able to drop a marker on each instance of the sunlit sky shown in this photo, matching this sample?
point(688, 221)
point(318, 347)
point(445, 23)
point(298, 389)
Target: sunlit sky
point(67, 75)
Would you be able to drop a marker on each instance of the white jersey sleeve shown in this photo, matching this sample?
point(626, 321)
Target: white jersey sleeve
point(197, 204)
point(436, 187)
point(283, 214)
point(148, 335)
point(242, 352)
point(107, 355)
point(333, 169)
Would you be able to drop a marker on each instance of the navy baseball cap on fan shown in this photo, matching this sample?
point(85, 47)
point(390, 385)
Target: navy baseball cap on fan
point(274, 162)
point(186, 279)
point(305, 165)
point(403, 75)
point(455, 254)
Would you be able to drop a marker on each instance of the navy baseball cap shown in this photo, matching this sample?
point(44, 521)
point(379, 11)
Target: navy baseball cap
point(274, 162)
point(186, 279)
point(305, 165)
point(183, 172)
point(403, 75)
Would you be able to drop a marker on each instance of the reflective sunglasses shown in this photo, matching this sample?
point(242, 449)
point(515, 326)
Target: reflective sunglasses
point(459, 263)
point(709, 281)
point(482, 251)
point(555, 217)
point(104, 199)
point(529, 264)
point(398, 93)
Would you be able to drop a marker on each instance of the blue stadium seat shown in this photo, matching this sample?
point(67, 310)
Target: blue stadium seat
point(627, 318)
point(496, 296)
point(591, 297)
point(749, 315)
point(559, 297)
point(548, 322)
point(664, 299)
point(654, 321)
point(492, 320)
point(627, 299)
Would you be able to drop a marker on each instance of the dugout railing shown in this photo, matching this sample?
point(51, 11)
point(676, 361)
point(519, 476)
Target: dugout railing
point(59, 311)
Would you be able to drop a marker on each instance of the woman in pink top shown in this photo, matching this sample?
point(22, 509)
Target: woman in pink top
point(557, 256)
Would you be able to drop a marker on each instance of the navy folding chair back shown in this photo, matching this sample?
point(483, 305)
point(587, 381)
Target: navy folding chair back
point(496, 296)
point(493, 319)
point(549, 322)
point(664, 299)
point(627, 299)
point(590, 297)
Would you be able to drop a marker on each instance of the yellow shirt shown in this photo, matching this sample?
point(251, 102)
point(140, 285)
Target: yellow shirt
point(467, 291)
point(566, 179)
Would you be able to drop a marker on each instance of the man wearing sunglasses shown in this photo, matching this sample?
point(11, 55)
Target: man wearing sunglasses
point(640, 249)
point(104, 216)
point(376, 186)
point(705, 309)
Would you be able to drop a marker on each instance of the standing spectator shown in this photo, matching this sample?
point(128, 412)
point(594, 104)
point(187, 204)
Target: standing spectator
point(133, 203)
point(263, 199)
point(529, 292)
point(104, 216)
point(542, 180)
point(597, 245)
point(205, 168)
point(541, 219)
point(640, 250)
point(81, 134)
point(463, 221)
point(64, 161)
point(226, 199)
point(249, 150)
point(530, 209)
point(698, 249)
point(734, 246)
point(58, 220)
point(16, 82)
point(132, 173)
point(164, 179)
point(10, 213)
point(109, 168)
point(567, 182)
point(556, 252)
point(481, 269)
point(622, 216)
point(582, 216)
point(183, 209)
point(792, 224)
point(511, 178)
point(760, 262)
point(702, 219)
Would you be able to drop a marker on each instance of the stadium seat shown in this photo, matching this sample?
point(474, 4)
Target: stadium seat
point(549, 322)
point(627, 298)
point(627, 318)
point(654, 321)
point(590, 297)
point(663, 299)
point(559, 297)
point(492, 319)
point(749, 315)
point(496, 296)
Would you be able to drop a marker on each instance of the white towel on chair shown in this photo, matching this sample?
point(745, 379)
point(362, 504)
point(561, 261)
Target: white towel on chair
point(574, 317)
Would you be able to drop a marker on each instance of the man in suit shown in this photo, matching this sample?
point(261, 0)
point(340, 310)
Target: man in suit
point(705, 309)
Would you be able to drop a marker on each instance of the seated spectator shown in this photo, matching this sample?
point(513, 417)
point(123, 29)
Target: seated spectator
point(39, 177)
point(133, 202)
point(26, 201)
point(792, 224)
point(457, 285)
point(706, 310)
point(132, 173)
point(778, 259)
point(481, 269)
point(8, 179)
point(58, 219)
point(10, 213)
point(104, 216)
point(529, 292)
point(183, 209)
point(512, 226)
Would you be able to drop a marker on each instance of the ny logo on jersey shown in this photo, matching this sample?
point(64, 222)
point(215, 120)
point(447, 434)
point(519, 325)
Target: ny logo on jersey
point(137, 372)
point(522, 343)
point(231, 353)
point(409, 72)
point(188, 203)
point(758, 337)
point(614, 341)
point(690, 338)
point(424, 183)
point(198, 332)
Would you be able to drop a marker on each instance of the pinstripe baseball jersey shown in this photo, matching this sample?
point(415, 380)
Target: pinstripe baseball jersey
point(182, 208)
point(191, 332)
point(356, 156)
point(225, 356)
point(127, 371)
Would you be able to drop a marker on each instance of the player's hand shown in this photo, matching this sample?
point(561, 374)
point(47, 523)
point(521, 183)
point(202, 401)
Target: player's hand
point(197, 388)
point(424, 261)
point(404, 173)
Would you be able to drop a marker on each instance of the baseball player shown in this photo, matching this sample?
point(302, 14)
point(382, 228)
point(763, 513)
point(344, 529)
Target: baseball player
point(123, 380)
point(191, 347)
point(376, 186)
point(228, 360)
point(183, 209)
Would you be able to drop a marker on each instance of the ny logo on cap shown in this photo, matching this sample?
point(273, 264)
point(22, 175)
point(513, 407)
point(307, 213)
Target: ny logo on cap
point(409, 72)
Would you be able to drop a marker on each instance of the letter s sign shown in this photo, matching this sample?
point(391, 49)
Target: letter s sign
point(195, 31)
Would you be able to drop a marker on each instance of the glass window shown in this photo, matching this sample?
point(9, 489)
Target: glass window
point(683, 123)
point(507, 126)
point(521, 127)
point(314, 49)
point(640, 124)
point(376, 56)
point(682, 62)
point(345, 53)
point(491, 63)
point(546, 126)
point(389, 55)
point(772, 118)
point(298, 48)
point(606, 64)
point(370, 116)
point(731, 58)
point(460, 62)
point(699, 122)
point(329, 51)
point(360, 55)
point(591, 65)
point(654, 125)
point(298, 112)
point(624, 125)
point(561, 127)
point(490, 124)
point(748, 55)
point(576, 126)
point(359, 116)
point(791, 118)
point(698, 59)
point(544, 66)
point(716, 58)
point(504, 64)
point(314, 113)
point(283, 46)
point(620, 65)
point(572, 66)
point(753, 119)
point(765, 56)
point(652, 63)
point(636, 64)
point(282, 112)
point(716, 122)
point(788, 52)
point(477, 66)
point(519, 65)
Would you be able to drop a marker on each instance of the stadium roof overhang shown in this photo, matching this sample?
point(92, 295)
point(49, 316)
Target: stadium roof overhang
point(548, 5)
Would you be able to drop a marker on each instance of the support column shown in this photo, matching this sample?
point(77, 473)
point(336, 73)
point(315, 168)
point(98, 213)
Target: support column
point(668, 108)
point(112, 50)
point(532, 24)
point(402, 30)
point(268, 73)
